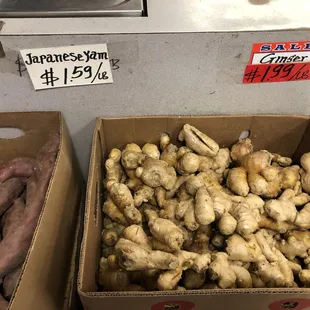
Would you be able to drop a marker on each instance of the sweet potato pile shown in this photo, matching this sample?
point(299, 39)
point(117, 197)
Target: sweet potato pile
point(23, 185)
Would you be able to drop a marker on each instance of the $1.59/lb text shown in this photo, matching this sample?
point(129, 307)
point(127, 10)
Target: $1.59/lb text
point(68, 66)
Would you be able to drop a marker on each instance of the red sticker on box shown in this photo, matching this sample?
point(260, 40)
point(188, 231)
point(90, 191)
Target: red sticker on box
point(174, 305)
point(292, 303)
point(278, 62)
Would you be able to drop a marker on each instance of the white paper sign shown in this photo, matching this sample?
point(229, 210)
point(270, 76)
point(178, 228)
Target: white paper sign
point(68, 66)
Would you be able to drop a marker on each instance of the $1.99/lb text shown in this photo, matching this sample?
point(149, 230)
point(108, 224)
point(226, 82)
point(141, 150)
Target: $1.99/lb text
point(276, 73)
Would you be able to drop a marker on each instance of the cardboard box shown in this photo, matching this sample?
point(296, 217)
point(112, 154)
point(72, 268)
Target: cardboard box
point(287, 135)
point(72, 300)
point(47, 266)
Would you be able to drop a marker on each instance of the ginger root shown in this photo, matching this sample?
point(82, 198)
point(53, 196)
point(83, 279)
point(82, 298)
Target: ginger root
point(164, 140)
point(283, 208)
point(243, 277)
point(182, 207)
point(204, 212)
point(263, 179)
point(237, 181)
point(121, 196)
point(178, 183)
point(296, 243)
point(111, 210)
point(198, 141)
point(109, 236)
point(132, 159)
point(114, 172)
point(305, 172)
point(112, 279)
point(256, 162)
point(241, 149)
point(193, 280)
point(143, 194)
point(221, 202)
point(218, 241)
point(169, 280)
point(270, 274)
point(221, 160)
point(273, 255)
point(281, 160)
point(132, 182)
point(193, 183)
point(201, 216)
point(123, 199)
point(169, 155)
point(137, 235)
point(188, 164)
point(133, 257)
point(243, 250)
point(257, 281)
point(167, 232)
point(156, 173)
point(169, 210)
point(290, 177)
point(190, 217)
point(268, 223)
point(151, 150)
point(227, 224)
point(221, 271)
point(304, 277)
point(302, 219)
point(246, 221)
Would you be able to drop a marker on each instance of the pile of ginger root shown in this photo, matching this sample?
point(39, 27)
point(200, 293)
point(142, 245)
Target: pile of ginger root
point(204, 217)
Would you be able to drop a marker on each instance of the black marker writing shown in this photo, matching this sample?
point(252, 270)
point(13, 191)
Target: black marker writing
point(20, 65)
point(64, 57)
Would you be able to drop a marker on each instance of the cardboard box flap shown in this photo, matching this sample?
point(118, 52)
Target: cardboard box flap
point(93, 215)
point(205, 299)
point(223, 129)
point(47, 264)
point(36, 127)
point(304, 145)
point(278, 133)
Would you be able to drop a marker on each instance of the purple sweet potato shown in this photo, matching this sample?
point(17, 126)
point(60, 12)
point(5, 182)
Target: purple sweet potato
point(17, 167)
point(9, 191)
point(10, 282)
point(12, 218)
point(15, 245)
point(4, 304)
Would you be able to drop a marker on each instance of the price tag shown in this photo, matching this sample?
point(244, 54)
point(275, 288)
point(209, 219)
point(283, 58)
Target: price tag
point(278, 62)
point(276, 73)
point(68, 66)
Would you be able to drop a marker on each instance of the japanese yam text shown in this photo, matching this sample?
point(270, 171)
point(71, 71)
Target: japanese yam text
point(64, 57)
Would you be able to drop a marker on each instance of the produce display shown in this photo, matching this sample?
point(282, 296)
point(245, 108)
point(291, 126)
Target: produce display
point(23, 185)
point(199, 216)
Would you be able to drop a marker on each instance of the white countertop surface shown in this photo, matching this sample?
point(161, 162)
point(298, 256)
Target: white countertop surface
point(166, 16)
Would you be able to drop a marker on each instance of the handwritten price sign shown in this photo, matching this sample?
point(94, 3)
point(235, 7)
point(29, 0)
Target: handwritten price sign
point(276, 73)
point(278, 62)
point(68, 66)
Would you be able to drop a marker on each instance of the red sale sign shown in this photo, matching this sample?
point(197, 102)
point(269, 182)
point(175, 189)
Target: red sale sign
point(278, 62)
point(174, 305)
point(292, 303)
